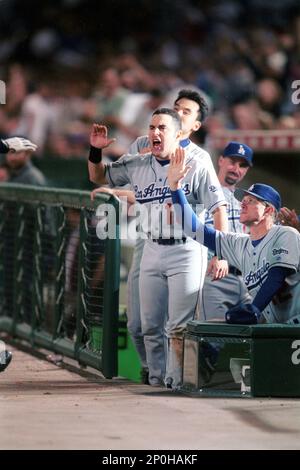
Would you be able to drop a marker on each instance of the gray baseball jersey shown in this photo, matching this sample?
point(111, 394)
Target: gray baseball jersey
point(218, 296)
point(233, 213)
point(280, 247)
point(138, 145)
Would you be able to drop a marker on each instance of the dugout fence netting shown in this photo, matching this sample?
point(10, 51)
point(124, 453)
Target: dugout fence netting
point(59, 282)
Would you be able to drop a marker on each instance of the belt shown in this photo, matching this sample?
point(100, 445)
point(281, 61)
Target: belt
point(234, 271)
point(168, 241)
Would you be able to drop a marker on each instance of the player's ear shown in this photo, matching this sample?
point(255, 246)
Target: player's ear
point(269, 209)
point(179, 135)
point(196, 126)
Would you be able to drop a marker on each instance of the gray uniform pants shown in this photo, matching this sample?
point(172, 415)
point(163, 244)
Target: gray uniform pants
point(170, 280)
point(219, 296)
point(133, 303)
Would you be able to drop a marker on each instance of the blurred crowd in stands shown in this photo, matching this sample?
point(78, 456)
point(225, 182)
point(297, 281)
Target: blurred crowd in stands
point(68, 63)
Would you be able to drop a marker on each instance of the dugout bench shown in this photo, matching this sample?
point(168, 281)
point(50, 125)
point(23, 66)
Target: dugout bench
point(223, 360)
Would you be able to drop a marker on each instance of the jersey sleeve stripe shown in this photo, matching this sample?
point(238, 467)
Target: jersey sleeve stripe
point(217, 204)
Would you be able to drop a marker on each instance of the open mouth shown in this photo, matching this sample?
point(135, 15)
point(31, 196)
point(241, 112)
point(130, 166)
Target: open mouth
point(157, 144)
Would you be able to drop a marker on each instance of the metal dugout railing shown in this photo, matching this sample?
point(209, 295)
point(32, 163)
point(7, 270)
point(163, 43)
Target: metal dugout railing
point(59, 282)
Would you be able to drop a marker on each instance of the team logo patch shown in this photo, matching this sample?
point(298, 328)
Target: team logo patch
point(241, 150)
point(212, 188)
point(279, 251)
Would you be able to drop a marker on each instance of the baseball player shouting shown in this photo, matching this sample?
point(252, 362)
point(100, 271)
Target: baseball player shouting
point(192, 109)
point(171, 267)
point(219, 295)
point(269, 257)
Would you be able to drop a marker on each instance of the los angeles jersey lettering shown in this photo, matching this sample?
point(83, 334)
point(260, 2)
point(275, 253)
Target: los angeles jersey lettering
point(155, 193)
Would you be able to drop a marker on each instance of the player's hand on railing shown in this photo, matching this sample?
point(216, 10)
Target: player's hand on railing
point(99, 138)
point(177, 169)
point(19, 144)
point(101, 190)
point(124, 195)
point(217, 268)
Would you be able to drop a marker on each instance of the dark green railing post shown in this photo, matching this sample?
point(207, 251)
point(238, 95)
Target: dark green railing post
point(18, 267)
point(81, 328)
point(37, 293)
point(111, 300)
point(60, 242)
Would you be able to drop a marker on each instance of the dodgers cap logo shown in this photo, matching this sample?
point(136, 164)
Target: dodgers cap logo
point(237, 149)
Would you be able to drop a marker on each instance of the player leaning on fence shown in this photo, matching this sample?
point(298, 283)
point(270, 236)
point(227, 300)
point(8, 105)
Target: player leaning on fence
point(171, 268)
point(269, 258)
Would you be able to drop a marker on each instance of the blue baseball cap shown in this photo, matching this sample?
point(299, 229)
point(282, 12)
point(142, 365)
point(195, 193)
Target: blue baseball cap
point(260, 191)
point(237, 149)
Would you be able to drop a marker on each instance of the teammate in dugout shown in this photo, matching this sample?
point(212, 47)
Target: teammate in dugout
point(172, 269)
point(269, 257)
point(13, 144)
point(221, 294)
point(192, 109)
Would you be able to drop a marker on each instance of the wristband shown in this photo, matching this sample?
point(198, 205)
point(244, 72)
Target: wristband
point(95, 155)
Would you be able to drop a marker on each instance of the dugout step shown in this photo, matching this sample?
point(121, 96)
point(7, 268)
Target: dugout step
point(241, 361)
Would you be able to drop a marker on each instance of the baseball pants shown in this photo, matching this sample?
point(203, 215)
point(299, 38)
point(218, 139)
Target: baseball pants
point(133, 303)
point(218, 296)
point(170, 280)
